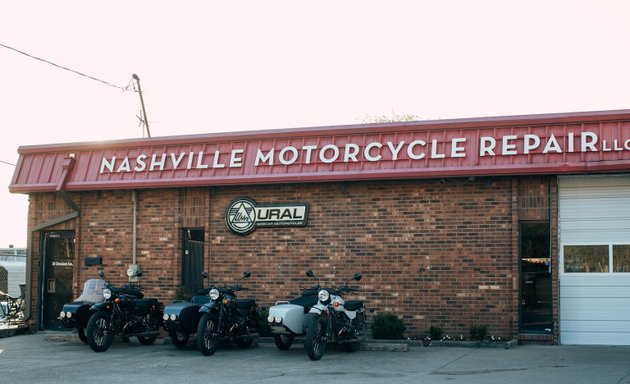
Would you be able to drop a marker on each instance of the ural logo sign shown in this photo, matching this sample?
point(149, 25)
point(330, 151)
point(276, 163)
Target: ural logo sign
point(244, 215)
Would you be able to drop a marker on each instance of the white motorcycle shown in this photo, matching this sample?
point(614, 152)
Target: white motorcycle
point(331, 318)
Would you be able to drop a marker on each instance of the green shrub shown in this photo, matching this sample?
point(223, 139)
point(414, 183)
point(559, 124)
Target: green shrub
point(387, 326)
point(436, 333)
point(181, 295)
point(478, 332)
point(263, 325)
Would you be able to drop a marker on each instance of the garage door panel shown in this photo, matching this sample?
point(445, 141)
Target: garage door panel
point(593, 338)
point(594, 291)
point(595, 279)
point(594, 307)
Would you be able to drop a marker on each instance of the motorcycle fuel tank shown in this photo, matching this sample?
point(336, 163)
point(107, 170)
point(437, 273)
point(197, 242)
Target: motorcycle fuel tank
point(292, 318)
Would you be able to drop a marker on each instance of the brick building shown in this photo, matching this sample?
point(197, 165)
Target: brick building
point(518, 223)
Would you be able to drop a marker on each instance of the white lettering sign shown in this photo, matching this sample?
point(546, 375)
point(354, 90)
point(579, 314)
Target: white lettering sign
point(370, 152)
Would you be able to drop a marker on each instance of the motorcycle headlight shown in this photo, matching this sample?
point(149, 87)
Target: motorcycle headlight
point(62, 314)
point(323, 295)
point(107, 293)
point(165, 316)
point(68, 314)
point(278, 319)
point(270, 319)
point(214, 294)
point(173, 317)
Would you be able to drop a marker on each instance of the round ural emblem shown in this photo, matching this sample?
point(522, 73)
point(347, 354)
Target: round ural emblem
point(240, 216)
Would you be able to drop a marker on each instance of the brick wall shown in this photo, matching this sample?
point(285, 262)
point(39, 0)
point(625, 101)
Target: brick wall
point(433, 253)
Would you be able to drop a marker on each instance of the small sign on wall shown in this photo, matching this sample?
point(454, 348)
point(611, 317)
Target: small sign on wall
point(244, 215)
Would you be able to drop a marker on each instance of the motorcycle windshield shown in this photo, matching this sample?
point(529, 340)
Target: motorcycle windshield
point(92, 291)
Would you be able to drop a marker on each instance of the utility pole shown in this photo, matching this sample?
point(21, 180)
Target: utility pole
point(144, 111)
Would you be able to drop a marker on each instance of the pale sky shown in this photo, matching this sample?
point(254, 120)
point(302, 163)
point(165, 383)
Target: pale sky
point(210, 66)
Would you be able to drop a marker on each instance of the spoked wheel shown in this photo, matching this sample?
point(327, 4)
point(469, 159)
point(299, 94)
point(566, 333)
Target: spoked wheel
point(315, 342)
point(283, 341)
point(81, 334)
point(179, 339)
point(99, 336)
point(207, 334)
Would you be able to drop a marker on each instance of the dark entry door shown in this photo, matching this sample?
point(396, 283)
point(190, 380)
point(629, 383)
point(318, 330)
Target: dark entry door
point(57, 273)
point(536, 294)
point(192, 260)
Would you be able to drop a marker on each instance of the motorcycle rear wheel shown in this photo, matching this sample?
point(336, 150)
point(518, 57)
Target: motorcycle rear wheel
point(207, 334)
point(179, 339)
point(99, 336)
point(315, 341)
point(283, 341)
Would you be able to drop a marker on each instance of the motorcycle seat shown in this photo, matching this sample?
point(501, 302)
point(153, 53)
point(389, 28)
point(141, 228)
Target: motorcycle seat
point(200, 299)
point(127, 290)
point(146, 303)
point(246, 303)
point(305, 301)
point(353, 305)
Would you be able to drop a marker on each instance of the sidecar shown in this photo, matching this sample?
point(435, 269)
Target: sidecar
point(181, 317)
point(77, 313)
point(287, 318)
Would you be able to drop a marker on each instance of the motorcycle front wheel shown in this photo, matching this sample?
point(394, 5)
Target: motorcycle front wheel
point(283, 341)
point(207, 334)
point(315, 341)
point(179, 339)
point(99, 336)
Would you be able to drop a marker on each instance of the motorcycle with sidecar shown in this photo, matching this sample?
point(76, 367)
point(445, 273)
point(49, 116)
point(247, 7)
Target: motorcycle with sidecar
point(330, 319)
point(226, 318)
point(124, 312)
point(286, 318)
point(182, 317)
point(77, 313)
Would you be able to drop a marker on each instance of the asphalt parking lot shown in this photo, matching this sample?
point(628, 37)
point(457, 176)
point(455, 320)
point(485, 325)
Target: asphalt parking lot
point(38, 358)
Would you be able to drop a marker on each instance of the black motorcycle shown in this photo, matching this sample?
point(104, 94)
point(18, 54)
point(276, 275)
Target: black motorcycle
point(226, 318)
point(182, 317)
point(124, 312)
point(77, 313)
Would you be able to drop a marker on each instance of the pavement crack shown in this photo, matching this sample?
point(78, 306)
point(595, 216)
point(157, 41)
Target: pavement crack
point(476, 371)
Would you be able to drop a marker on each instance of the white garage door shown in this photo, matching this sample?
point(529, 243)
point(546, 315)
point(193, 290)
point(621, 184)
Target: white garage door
point(594, 225)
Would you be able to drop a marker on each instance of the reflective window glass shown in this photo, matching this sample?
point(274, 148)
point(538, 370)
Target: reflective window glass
point(586, 258)
point(621, 258)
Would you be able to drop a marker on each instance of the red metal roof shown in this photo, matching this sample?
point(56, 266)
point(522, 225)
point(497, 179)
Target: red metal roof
point(534, 144)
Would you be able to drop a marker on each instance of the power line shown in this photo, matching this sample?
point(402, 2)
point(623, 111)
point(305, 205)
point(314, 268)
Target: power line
point(7, 163)
point(126, 88)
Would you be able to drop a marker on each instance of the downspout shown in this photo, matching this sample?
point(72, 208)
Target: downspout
point(134, 199)
point(66, 167)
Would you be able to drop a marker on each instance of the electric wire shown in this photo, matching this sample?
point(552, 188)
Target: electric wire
point(7, 163)
point(126, 88)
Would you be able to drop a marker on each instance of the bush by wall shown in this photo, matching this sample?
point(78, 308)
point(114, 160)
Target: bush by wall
point(436, 333)
point(387, 326)
point(478, 332)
